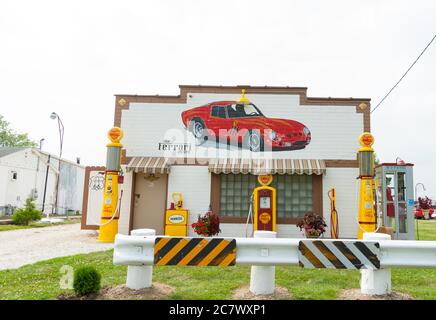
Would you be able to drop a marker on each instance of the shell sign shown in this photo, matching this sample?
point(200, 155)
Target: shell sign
point(265, 180)
point(366, 139)
point(265, 217)
point(115, 134)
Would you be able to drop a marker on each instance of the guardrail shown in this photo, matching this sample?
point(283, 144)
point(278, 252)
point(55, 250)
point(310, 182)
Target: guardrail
point(408, 254)
point(374, 256)
point(139, 250)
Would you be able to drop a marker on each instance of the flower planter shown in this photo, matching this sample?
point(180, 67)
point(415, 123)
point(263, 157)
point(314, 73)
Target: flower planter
point(207, 225)
point(312, 226)
point(426, 212)
point(309, 236)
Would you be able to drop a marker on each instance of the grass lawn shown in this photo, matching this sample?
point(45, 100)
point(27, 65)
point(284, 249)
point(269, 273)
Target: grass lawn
point(9, 227)
point(41, 280)
point(425, 229)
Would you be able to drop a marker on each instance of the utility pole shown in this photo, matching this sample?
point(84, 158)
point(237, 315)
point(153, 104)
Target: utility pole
point(45, 185)
point(54, 116)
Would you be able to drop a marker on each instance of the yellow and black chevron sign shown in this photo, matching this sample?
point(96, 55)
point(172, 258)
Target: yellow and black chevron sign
point(171, 251)
point(339, 254)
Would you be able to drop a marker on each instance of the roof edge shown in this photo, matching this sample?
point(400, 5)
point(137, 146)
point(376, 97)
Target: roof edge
point(250, 89)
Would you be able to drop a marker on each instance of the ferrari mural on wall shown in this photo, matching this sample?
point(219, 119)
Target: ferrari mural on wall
point(243, 124)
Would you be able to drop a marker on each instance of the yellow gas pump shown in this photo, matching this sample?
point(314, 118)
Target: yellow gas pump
point(264, 205)
point(109, 215)
point(367, 217)
point(176, 218)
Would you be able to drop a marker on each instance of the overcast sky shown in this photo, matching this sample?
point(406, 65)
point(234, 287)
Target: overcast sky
point(71, 57)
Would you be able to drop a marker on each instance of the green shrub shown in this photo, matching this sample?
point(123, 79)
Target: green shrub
point(86, 281)
point(29, 213)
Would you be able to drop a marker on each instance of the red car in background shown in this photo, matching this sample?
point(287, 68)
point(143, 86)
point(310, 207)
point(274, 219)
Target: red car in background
point(244, 124)
point(419, 214)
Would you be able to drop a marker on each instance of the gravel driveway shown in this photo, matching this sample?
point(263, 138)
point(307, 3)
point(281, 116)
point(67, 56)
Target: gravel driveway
point(20, 247)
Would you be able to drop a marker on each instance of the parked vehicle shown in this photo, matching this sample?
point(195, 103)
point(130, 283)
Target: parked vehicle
point(246, 126)
point(419, 214)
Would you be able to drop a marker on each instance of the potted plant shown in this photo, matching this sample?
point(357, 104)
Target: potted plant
point(313, 224)
point(207, 225)
point(425, 205)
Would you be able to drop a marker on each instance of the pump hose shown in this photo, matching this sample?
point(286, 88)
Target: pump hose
point(334, 219)
point(250, 213)
point(115, 212)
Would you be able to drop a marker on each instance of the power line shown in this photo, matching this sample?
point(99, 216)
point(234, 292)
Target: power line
point(428, 45)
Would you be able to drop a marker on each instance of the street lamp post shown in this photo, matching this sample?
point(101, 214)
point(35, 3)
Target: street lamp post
point(40, 143)
point(54, 116)
point(416, 188)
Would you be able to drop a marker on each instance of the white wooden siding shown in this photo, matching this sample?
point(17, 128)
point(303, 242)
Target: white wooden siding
point(31, 172)
point(347, 199)
point(194, 184)
point(147, 124)
point(126, 201)
point(240, 230)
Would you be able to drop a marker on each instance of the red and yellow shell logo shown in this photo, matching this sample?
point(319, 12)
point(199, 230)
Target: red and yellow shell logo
point(366, 139)
point(115, 134)
point(265, 180)
point(265, 218)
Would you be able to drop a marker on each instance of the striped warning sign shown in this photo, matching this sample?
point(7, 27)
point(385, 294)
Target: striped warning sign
point(339, 254)
point(171, 251)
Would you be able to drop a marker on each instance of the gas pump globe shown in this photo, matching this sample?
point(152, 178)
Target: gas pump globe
point(395, 199)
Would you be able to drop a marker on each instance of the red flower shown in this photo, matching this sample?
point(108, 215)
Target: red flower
point(207, 225)
point(312, 223)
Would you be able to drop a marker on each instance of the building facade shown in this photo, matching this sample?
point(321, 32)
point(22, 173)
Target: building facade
point(27, 172)
point(210, 143)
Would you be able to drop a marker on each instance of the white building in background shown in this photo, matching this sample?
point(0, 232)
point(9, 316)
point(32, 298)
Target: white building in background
point(28, 172)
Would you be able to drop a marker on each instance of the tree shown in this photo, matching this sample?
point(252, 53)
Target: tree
point(9, 138)
point(29, 213)
point(376, 159)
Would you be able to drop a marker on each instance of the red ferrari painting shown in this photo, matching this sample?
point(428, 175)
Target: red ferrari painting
point(245, 125)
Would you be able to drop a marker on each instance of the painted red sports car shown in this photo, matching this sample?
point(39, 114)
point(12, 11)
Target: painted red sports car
point(244, 124)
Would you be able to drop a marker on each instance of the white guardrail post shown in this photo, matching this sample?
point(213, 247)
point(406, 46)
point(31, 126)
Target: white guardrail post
point(139, 277)
point(372, 281)
point(262, 279)
point(265, 251)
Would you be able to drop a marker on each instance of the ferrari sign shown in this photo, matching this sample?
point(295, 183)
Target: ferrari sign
point(261, 125)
